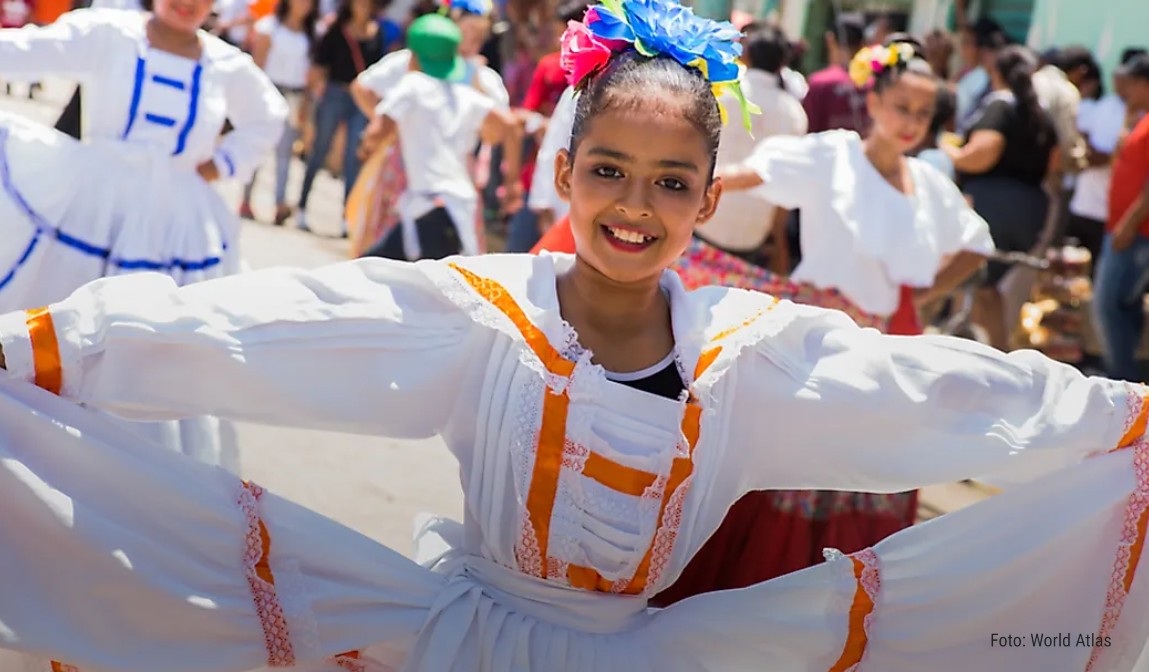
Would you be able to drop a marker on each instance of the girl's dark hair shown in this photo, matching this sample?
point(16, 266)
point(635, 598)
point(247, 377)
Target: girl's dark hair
point(423, 8)
point(1016, 65)
point(631, 80)
point(283, 7)
point(765, 47)
point(945, 112)
point(988, 34)
point(917, 64)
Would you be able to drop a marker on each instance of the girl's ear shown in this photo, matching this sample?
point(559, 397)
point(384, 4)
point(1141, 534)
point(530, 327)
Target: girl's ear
point(710, 201)
point(564, 163)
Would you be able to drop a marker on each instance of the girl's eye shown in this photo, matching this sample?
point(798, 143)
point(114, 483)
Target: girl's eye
point(673, 184)
point(608, 172)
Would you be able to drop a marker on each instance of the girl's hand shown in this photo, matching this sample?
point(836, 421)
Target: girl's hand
point(208, 171)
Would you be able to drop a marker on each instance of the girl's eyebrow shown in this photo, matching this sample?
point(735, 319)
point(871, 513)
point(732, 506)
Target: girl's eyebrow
point(621, 156)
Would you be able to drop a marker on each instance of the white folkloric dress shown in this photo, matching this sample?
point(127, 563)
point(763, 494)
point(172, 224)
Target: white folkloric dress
point(584, 497)
point(128, 198)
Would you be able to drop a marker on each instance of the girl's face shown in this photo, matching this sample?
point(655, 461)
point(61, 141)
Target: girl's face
point(185, 16)
point(475, 30)
point(903, 111)
point(638, 186)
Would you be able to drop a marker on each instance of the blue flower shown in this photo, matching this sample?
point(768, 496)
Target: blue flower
point(480, 7)
point(605, 24)
point(667, 28)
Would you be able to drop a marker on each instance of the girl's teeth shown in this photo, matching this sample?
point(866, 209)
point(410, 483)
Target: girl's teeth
point(629, 236)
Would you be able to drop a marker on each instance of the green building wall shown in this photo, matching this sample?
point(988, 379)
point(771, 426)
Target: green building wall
point(1105, 26)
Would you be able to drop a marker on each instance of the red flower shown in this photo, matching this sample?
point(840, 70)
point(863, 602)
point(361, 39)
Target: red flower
point(582, 53)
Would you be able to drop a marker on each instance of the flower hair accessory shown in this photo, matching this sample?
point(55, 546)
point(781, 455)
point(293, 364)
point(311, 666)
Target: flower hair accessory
point(656, 28)
point(873, 61)
point(480, 7)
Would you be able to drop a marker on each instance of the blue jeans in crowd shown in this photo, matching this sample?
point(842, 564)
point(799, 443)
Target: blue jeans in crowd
point(335, 107)
point(523, 230)
point(283, 153)
point(1118, 312)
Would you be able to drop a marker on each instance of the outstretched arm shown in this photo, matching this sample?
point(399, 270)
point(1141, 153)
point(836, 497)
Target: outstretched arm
point(69, 47)
point(369, 346)
point(828, 405)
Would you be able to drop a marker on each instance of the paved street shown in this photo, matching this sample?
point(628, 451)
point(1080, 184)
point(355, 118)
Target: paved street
point(372, 485)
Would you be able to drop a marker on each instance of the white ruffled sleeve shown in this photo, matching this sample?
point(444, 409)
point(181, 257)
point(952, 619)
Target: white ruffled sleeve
point(257, 111)
point(368, 346)
point(792, 168)
point(828, 405)
point(67, 47)
point(959, 227)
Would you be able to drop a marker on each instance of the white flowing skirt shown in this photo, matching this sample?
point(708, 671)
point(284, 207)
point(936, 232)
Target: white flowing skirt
point(73, 212)
point(117, 555)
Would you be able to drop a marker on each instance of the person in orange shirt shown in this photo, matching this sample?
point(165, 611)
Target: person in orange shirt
point(1123, 270)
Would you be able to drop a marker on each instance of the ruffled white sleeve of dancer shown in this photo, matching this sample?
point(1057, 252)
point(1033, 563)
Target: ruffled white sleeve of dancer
point(66, 47)
point(958, 226)
point(793, 168)
point(852, 409)
point(368, 346)
point(257, 111)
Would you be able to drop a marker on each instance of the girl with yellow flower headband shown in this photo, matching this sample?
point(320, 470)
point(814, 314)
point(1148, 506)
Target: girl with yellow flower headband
point(604, 420)
point(880, 233)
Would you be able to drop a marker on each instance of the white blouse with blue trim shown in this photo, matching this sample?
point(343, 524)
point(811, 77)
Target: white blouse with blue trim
point(144, 96)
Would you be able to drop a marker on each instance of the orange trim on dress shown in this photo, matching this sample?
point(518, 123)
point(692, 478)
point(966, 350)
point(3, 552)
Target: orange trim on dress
point(61, 667)
point(1137, 427)
point(856, 639)
point(1135, 524)
point(45, 350)
point(499, 297)
point(548, 463)
point(551, 446)
point(261, 581)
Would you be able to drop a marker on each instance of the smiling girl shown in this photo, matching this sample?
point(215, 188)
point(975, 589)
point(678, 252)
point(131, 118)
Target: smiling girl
point(604, 420)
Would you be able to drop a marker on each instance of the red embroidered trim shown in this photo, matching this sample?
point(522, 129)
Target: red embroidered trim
point(871, 582)
point(1128, 548)
point(276, 634)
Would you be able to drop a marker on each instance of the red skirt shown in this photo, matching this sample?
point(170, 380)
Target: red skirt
point(770, 533)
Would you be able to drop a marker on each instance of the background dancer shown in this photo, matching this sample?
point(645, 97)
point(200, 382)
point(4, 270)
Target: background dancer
point(282, 45)
point(136, 195)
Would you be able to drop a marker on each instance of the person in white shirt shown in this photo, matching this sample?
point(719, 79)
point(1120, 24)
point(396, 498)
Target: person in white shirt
point(282, 46)
point(742, 224)
point(1101, 122)
point(372, 206)
point(438, 118)
point(543, 200)
point(136, 195)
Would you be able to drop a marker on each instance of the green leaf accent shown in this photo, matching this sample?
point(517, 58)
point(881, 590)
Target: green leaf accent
point(748, 107)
